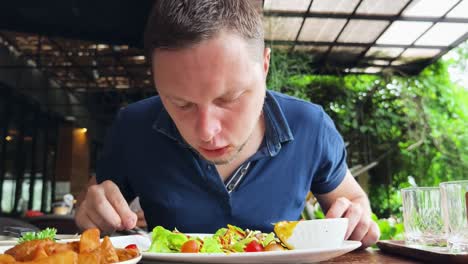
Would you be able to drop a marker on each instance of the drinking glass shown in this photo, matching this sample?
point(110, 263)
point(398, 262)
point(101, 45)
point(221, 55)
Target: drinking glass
point(422, 216)
point(455, 212)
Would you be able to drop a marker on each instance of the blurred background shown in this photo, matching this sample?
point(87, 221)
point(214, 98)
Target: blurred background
point(393, 75)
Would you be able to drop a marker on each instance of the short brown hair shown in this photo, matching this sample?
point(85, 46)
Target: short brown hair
point(176, 24)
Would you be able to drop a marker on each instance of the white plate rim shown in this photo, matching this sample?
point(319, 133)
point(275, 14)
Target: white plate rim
point(348, 245)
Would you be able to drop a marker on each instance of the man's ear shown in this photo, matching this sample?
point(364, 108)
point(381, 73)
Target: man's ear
point(266, 61)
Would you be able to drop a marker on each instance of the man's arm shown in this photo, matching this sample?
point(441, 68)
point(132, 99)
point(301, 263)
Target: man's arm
point(348, 200)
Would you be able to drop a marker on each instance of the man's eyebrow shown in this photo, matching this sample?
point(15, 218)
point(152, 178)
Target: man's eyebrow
point(227, 94)
point(232, 93)
point(176, 98)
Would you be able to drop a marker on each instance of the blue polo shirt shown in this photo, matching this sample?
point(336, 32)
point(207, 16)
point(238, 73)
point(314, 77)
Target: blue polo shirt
point(146, 156)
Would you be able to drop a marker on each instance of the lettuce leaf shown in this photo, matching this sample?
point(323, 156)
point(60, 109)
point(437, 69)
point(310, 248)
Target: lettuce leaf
point(165, 241)
point(48, 233)
point(176, 240)
point(268, 239)
point(220, 232)
point(240, 245)
point(211, 245)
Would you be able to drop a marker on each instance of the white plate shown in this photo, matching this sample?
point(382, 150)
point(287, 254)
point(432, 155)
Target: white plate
point(119, 240)
point(8, 241)
point(288, 256)
point(11, 241)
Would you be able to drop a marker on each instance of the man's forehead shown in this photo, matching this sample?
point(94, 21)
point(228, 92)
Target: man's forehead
point(181, 96)
point(222, 93)
point(224, 42)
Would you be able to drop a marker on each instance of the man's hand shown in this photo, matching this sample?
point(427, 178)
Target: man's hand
point(360, 225)
point(350, 201)
point(141, 223)
point(105, 207)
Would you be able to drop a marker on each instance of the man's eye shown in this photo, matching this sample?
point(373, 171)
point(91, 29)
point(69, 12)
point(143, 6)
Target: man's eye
point(183, 106)
point(229, 100)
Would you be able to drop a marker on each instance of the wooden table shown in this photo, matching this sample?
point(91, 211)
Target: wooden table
point(360, 256)
point(371, 256)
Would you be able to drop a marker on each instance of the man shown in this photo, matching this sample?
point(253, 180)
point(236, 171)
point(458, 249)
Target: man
point(215, 147)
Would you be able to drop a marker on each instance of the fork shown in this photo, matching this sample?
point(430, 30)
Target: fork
point(16, 231)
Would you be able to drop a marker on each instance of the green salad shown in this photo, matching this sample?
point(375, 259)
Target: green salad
point(230, 239)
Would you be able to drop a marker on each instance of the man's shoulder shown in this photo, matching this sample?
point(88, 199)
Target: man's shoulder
point(145, 105)
point(146, 109)
point(297, 110)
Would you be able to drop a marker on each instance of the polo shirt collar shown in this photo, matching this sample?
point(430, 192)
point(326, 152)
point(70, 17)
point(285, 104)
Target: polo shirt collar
point(277, 129)
point(167, 127)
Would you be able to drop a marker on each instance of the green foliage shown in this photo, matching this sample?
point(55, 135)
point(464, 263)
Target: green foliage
point(390, 229)
point(48, 233)
point(411, 126)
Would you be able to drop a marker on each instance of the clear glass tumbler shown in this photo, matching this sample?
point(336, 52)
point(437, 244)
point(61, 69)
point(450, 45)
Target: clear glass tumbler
point(455, 211)
point(422, 216)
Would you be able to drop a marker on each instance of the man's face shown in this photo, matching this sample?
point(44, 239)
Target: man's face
point(214, 91)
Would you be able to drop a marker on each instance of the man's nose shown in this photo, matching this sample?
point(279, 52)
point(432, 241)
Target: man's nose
point(209, 124)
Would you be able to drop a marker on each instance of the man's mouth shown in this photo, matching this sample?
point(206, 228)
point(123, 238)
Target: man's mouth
point(214, 152)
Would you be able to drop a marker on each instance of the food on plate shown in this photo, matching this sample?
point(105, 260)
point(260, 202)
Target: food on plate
point(231, 239)
point(41, 248)
point(319, 233)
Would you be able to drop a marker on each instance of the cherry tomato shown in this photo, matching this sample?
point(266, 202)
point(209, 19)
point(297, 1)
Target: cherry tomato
point(131, 246)
point(274, 247)
point(253, 246)
point(190, 246)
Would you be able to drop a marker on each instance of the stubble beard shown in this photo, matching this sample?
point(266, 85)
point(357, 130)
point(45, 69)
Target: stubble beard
point(236, 153)
point(238, 150)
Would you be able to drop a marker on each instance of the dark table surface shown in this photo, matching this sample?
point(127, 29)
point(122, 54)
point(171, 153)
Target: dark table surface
point(371, 256)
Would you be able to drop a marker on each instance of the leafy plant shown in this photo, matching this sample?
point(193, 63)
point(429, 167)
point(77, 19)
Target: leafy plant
point(406, 125)
point(390, 229)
